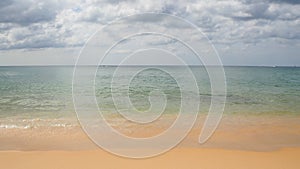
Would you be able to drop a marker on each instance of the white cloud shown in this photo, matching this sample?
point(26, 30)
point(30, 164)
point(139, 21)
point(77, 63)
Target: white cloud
point(30, 24)
point(36, 24)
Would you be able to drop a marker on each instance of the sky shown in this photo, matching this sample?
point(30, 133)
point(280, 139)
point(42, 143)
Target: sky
point(244, 32)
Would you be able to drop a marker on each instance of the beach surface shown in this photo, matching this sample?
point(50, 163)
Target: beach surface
point(260, 142)
point(176, 158)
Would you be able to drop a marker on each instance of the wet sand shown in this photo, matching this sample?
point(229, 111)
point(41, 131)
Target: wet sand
point(239, 142)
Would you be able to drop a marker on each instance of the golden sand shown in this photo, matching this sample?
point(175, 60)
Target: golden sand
point(180, 158)
point(239, 143)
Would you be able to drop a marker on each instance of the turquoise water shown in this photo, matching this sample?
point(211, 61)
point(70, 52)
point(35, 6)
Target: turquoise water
point(44, 94)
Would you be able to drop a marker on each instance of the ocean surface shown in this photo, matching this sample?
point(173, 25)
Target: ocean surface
point(31, 97)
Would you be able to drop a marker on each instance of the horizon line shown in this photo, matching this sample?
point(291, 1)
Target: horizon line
point(133, 65)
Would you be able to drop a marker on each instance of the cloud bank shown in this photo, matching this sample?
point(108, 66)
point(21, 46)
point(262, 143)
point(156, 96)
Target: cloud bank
point(245, 32)
point(57, 24)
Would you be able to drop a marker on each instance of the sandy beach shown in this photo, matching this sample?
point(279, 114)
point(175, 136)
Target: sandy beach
point(176, 159)
point(239, 143)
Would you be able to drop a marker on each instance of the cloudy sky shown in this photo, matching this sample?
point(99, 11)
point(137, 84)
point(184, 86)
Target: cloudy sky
point(244, 32)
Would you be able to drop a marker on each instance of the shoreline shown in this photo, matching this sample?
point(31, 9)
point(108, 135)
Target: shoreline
point(240, 142)
point(249, 133)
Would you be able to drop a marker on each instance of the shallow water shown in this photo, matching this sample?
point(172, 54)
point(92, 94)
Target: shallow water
point(42, 96)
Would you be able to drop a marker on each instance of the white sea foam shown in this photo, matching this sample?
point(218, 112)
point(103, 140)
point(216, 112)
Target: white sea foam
point(13, 126)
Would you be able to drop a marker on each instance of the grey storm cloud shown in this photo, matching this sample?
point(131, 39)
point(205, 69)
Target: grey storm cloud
point(58, 23)
point(27, 11)
point(275, 1)
point(286, 1)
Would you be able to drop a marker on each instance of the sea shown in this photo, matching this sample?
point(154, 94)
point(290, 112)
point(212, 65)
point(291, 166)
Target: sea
point(41, 96)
